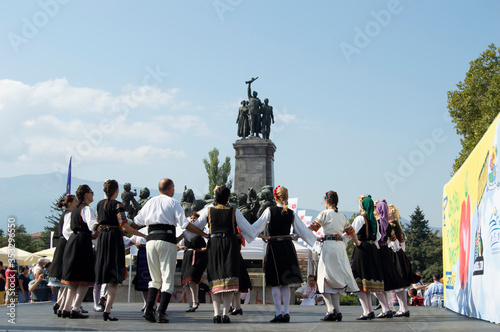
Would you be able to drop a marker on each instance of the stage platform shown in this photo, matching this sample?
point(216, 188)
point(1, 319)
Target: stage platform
point(39, 317)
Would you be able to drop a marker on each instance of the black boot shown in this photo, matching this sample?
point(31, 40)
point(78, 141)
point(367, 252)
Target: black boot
point(164, 301)
point(149, 313)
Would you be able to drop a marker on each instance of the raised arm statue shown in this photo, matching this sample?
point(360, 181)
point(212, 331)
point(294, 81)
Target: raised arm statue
point(254, 106)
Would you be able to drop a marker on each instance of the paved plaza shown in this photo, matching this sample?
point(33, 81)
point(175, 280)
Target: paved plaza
point(39, 317)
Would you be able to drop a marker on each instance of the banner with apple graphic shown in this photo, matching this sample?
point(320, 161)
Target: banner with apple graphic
point(471, 232)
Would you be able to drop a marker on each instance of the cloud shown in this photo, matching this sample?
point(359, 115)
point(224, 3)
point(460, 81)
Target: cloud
point(51, 120)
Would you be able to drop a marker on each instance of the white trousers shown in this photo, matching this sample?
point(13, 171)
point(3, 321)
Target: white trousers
point(162, 256)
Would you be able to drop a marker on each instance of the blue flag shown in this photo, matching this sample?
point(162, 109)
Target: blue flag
point(68, 185)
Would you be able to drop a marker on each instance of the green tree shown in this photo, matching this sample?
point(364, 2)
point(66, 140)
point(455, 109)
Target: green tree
point(350, 245)
point(423, 247)
point(217, 175)
point(53, 220)
point(23, 240)
point(476, 102)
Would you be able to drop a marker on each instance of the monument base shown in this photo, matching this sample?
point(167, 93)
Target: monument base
point(254, 166)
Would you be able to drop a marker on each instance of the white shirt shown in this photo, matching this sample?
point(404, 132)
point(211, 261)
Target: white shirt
point(66, 231)
point(298, 226)
point(161, 209)
point(89, 217)
point(247, 230)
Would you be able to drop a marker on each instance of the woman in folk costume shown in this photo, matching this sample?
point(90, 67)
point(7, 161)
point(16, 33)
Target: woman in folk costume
point(223, 250)
point(55, 273)
point(396, 235)
point(365, 264)
point(194, 264)
point(78, 258)
point(392, 278)
point(110, 257)
point(281, 265)
point(334, 271)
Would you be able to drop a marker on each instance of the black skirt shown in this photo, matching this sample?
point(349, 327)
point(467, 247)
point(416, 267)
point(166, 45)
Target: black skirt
point(389, 263)
point(78, 267)
point(405, 269)
point(281, 264)
point(223, 269)
point(142, 276)
point(56, 268)
point(110, 257)
point(366, 268)
point(194, 263)
point(244, 282)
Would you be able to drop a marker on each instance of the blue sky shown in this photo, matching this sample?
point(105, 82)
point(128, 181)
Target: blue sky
point(138, 91)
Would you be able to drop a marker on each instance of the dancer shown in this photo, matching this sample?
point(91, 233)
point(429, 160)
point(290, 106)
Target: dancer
point(334, 271)
point(110, 257)
point(161, 214)
point(194, 263)
point(281, 265)
point(365, 257)
point(78, 267)
point(142, 276)
point(392, 279)
point(396, 235)
point(223, 270)
point(55, 274)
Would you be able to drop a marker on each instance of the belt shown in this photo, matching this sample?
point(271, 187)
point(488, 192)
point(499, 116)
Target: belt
point(334, 237)
point(221, 235)
point(161, 231)
point(280, 238)
point(82, 232)
point(382, 244)
point(107, 227)
point(369, 242)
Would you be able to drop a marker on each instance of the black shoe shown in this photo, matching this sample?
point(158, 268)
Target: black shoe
point(217, 319)
point(65, 314)
point(149, 315)
point(237, 312)
point(83, 311)
point(106, 316)
point(286, 318)
point(363, 317)
point(329, 317)
point(231, 309)
point(277, 319)
point(77, 314)
point(163, 318)
point(339, 317)
point(102, 303)
point(378, 307)
point(372, 315)
point(59, 313)
point(55, 308)
point(387, 314)
point(403, 314)
point(225, 319)
point(196, 305)
point(190, 309)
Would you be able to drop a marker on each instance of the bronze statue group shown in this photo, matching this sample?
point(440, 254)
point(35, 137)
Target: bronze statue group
point(378, 265)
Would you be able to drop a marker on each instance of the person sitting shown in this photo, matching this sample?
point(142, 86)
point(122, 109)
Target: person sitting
point(309, 292)
point(434, 293)
point(40, 291)
point(415, 300)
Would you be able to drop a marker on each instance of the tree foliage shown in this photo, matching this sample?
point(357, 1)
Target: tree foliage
point(423, 247)
point(217, 175)
point(476, 102)
point(23, 240)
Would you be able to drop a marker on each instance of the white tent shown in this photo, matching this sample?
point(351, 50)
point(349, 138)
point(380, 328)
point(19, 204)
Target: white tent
point(22, 257)
point(47, 253)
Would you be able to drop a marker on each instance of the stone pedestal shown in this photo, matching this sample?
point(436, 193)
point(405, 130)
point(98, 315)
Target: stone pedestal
point(254, 164)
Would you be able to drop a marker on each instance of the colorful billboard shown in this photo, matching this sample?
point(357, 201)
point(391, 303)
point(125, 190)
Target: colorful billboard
point(471, 232)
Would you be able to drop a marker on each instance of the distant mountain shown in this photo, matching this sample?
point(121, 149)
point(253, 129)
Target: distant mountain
point(28, 198)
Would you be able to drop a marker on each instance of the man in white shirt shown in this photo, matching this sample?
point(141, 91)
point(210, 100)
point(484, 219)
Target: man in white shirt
point(309, 292)
point(161, 214)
